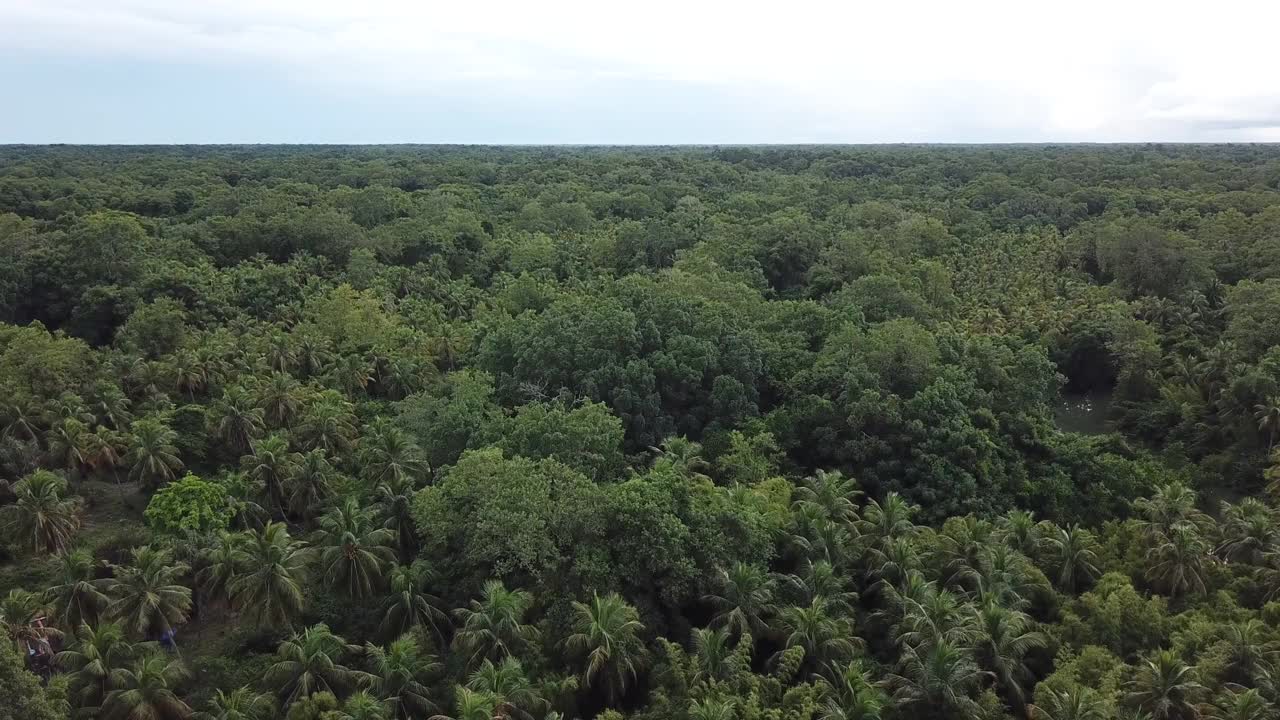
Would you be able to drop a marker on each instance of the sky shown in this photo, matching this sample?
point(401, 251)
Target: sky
point(653, 72)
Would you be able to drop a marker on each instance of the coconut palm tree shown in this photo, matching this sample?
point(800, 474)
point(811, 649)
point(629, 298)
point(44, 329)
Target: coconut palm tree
point(1268, 416)
point(1248, 648)
point(273, 570)
point(329, 424)
point(236, 419)
point(271, 465)
point(221, 566)
point(1170, 506)
point(68, 446)
point(410, 604)
point(825, 635)
point(936, 680)
point(1166, 688)
point(102, 452)
point(243, 703)
point(20, 420)
point(20, 619)
point(146, 595)
point(153, 457)
point(1019, 530)
point(280, 398)
point(887, 520)
point(145, 691)
point(1178, 562)
point(310, 484)
point(314, 356)
point(1239, 704)
point(829, 495)
point(40, 519)
point(1247, 530)
point(395, 504)
point(849, 694)
point(1074, 703)
point(493, 626)
point(311, 662)
point(79, 597)
point(95, 662)
point(507, 682)
point(1005, 638)
point(280, 353)
point(745, 599)
point(608, 635)
point(398, 677)
point(1074, 552)
point(353, 550)
point(472, 705)
point(388, 455)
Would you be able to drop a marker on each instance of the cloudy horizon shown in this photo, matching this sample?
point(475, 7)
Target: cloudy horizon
point(388, 71)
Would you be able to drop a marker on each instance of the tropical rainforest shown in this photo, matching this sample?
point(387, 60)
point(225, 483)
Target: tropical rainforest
point(694, 433)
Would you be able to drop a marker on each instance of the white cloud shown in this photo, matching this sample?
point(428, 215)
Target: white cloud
point(855, 71)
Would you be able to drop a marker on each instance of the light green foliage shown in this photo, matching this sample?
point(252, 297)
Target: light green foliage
point(189, 505)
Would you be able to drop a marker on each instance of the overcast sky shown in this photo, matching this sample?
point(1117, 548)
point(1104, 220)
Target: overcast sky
point(658, 71)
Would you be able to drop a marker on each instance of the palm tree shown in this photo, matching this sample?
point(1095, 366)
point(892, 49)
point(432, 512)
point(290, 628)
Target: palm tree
point(281, 357)
point(146, 595)
point(850, 695)
point(101, 451)
point(111, 406)
point(1006, 576)
point(493, 626)
point(825, 636)
point(1006, 638)
point(280, 398)
point(353, 551)
point(1170, 506)
point(68, 446)
point(608, 634)
point(314, 356)
point(274, 569)
point(1248, 649)
point(884, 521)
point(145, 691)
point(936, 680)
point(744, 601)
point(389, 455)
point(1166, 688)
point(1240, 704)
point(79, 598)
point(96, 662)
point(932, 616)
point(236, 419)
point(329, 424)
point(21, 420)
point(221, 566)
point(243, 703)
point(472, 705)
point(153, 457)
point(1178, 562)
point(1076, 557)
point(1268, 416)
point(507, 682)
point(310, 484)
point(830, 495)
point(1247, 530)
point(1019, 530)
point(410, 604)
point(684, 455)
point(21, 615)
point(271, 465)
point(398, 676)
point(350, 373)
point(1075, 703)
point(311, 662)
point(41, 519)
point(395, 503)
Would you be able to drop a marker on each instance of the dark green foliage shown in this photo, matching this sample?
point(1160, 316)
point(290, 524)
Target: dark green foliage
point(739, 433)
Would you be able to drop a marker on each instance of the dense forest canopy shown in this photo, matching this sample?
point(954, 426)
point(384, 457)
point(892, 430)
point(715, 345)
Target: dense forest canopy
point(716, 433)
